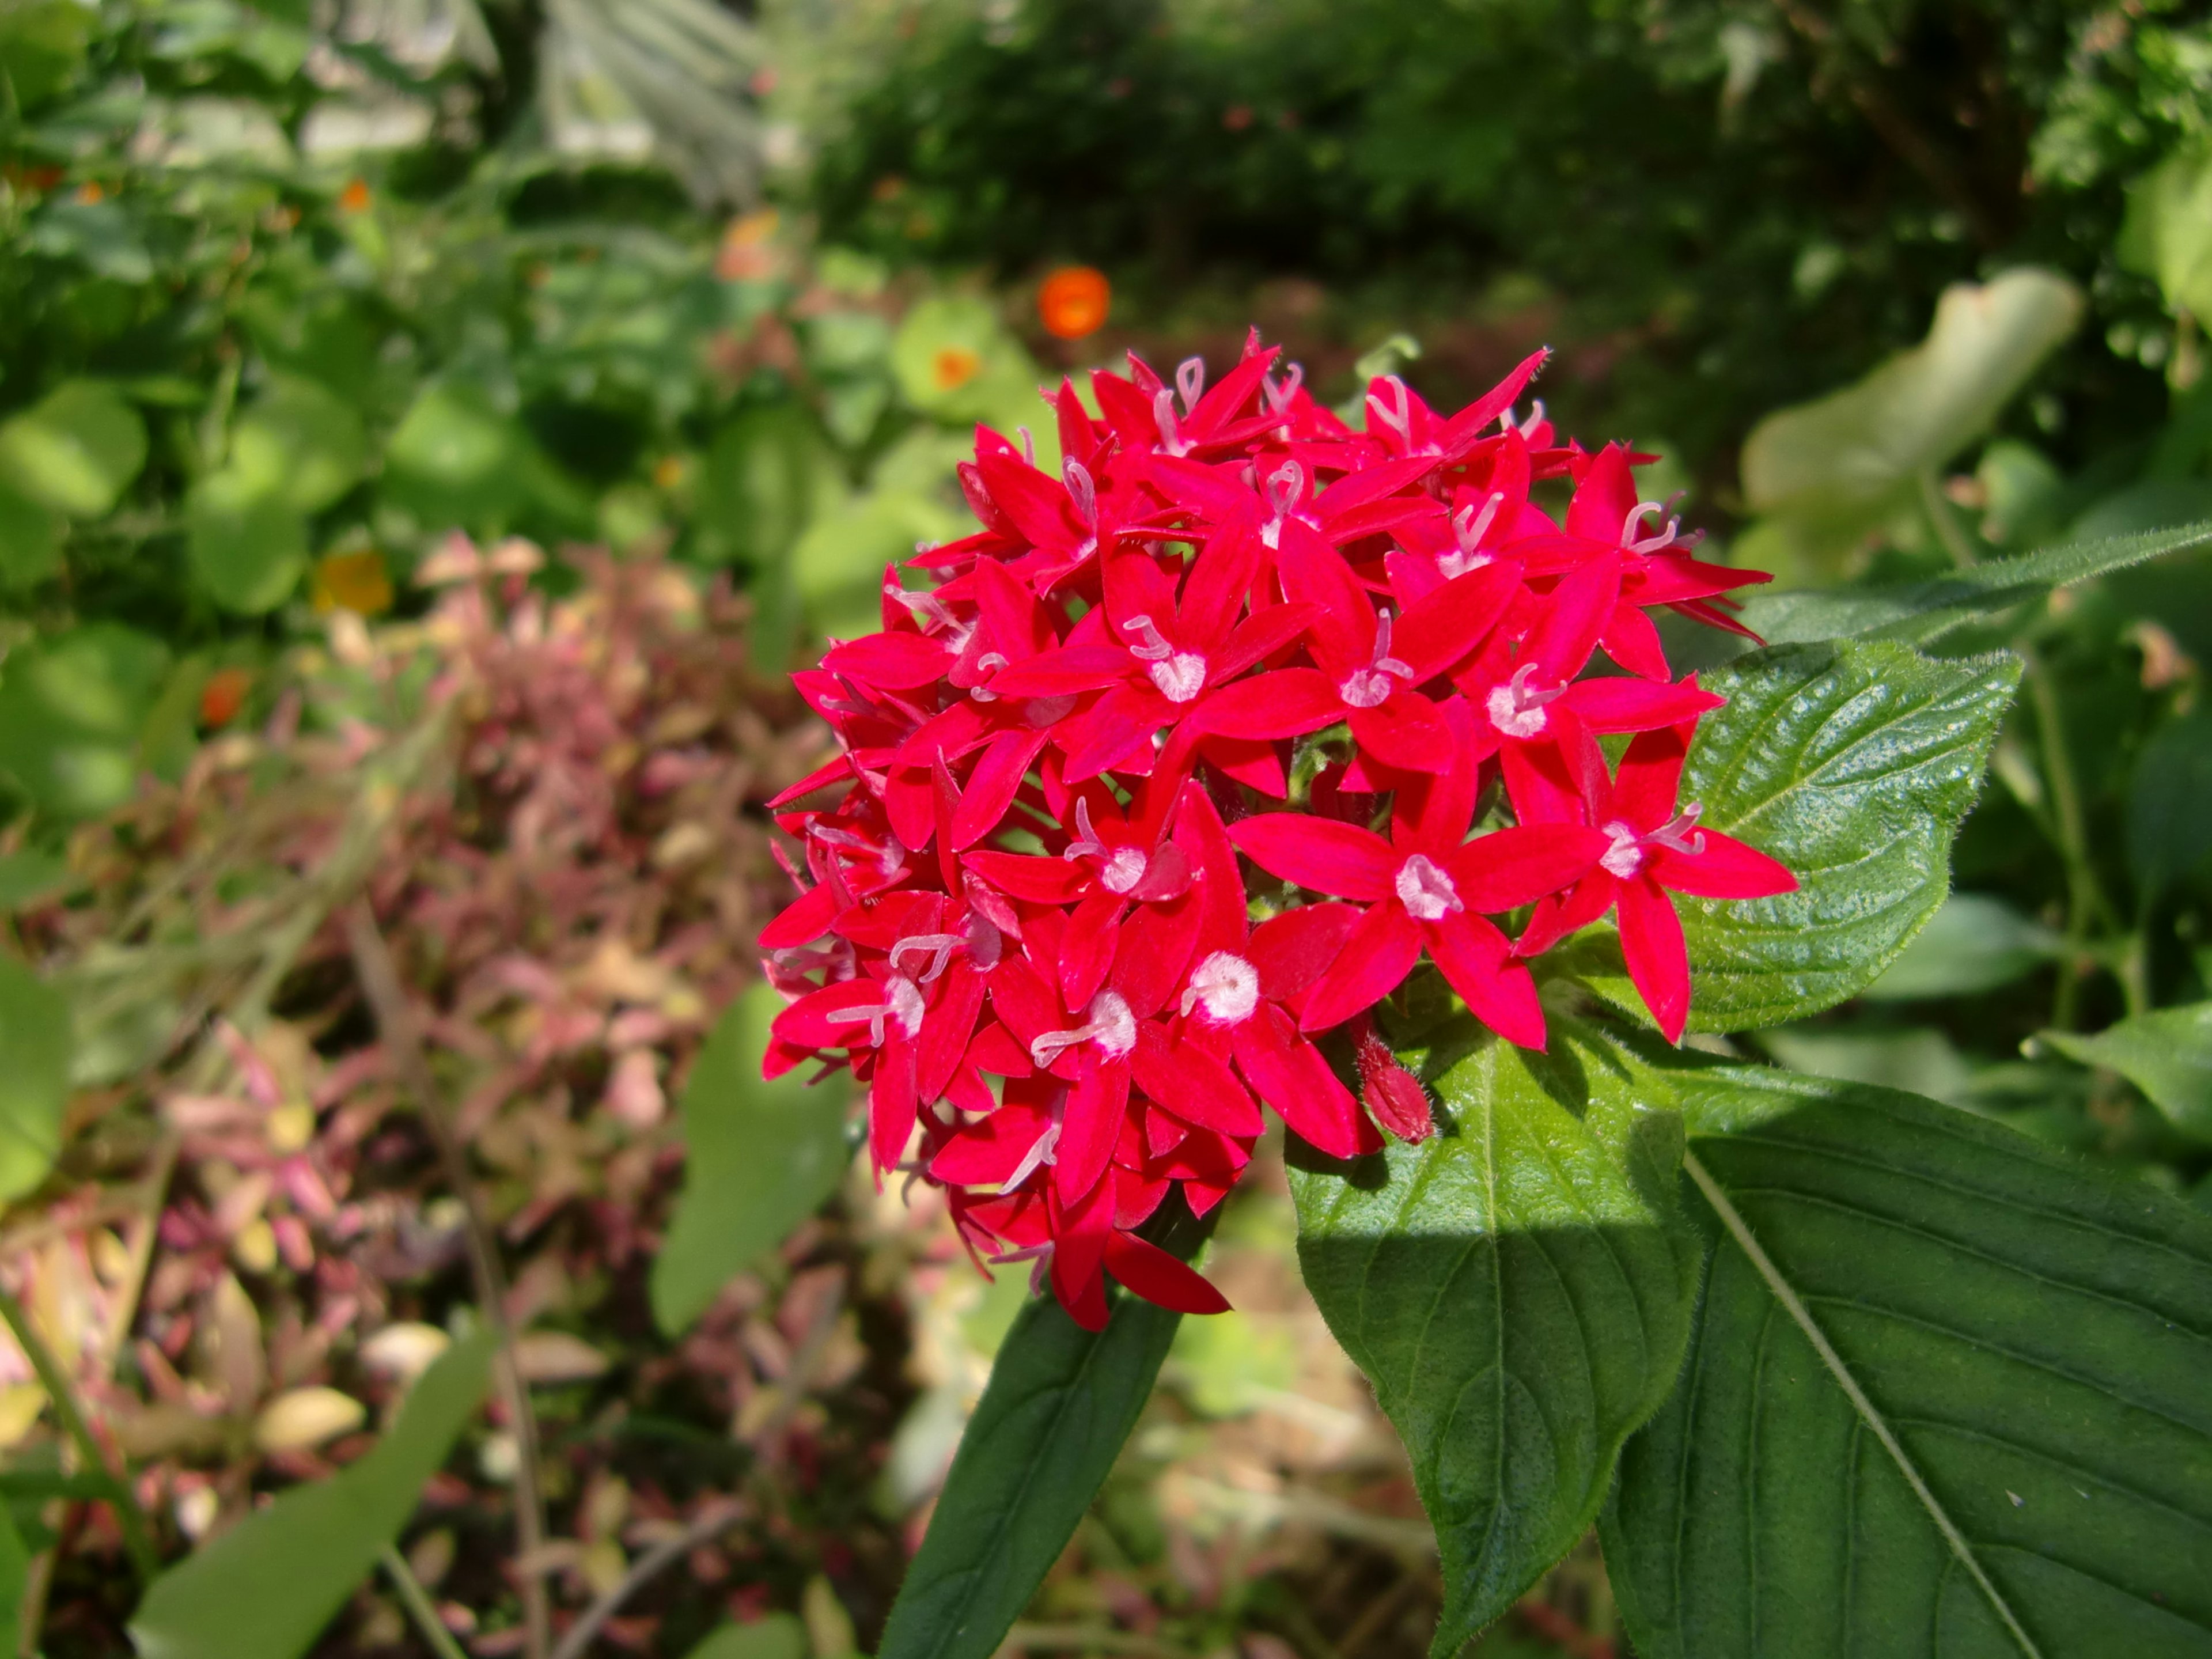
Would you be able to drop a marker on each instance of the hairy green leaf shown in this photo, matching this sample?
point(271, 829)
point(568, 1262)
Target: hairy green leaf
point(1946, 1395)
point(1061, 1402)
point(34, 1062)
point(265, 1588)
point(2166, 1053)
point(1853, 763)
point(1922, 611)
point(1518, 1290)
point(760, 1157)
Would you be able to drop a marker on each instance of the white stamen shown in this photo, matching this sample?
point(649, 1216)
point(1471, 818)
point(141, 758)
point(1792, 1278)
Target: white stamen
point(1680, 833)
point(1625, 856)
point(1155, 648)
point(1082, 490)
point(937, 947)
point(1125, 868)
point(1180, 678)
point(1535, 419)
point(1517, 709)
point(1086, 843)
point(1469, 528)
point(1370, 687)
point(1046, 1150)
point(988, 662)
point(1397, 415)
point(1190, 380)
point(1666, 538)
point(890, 857)
point(1280, 398)
point(1164, 416)
point(903, 997)
point(1425, 890)
point(1028, 444)
point(1111, 1026)
point(1226, 986)
point(983, 939)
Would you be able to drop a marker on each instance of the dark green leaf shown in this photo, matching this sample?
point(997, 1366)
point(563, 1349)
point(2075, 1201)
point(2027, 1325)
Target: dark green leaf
point(1946, 1396)
point(2170, 803)
point(1974, 943)
point(1921, 611)
point(71, 710)
point(30, 539)
point(74, 450)
point(779, 1636)
point(1061, 1402)
point(1852, 764)
point(2166, 1053)
point(1518, 1290)
point(34, 1062)
point(760, 1157)
point(265, 1588)
point(27, 877)
point(14, 1572)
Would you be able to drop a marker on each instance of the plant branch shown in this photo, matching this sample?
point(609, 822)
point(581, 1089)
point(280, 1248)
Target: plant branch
point(379, 977)
point(716, 1519)
point(420, 1609)
point(136, 1537)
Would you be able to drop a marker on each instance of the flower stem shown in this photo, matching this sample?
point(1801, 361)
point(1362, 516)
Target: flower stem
point(420, 1609)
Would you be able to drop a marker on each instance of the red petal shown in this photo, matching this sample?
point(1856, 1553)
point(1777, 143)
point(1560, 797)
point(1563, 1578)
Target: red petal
point(1378, 955)
point(994, 784)
point(1628, 705)
point(1089, 1124)
point(1603, 498)
point(1508, 868)
point(1404, 733)
point(1038, 880)
point(1158, 1278)
point(1290, 1075)
point(1080, 1230)
point(1650, 776)
point(1658, 960)
point(802, 921)
point(1328, 857)
point(1087, 948)
point(1293, 949)
point(1478, 961)
point(1192, 1084)
point(1726, 869)
point(1286, 703)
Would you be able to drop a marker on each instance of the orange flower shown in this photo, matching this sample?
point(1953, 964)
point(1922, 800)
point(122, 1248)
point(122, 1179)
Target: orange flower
point(1074, 303)
point(223, 696)
point(89, 191)
point(354, 198)
point(353, 581)
point(747, 251)
point(954, 367)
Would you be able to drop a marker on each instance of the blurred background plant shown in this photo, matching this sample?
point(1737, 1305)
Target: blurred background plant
point(427, 431)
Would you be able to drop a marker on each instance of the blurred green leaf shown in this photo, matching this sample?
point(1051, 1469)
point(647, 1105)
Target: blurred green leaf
point(70, 711)
point(778, 1636)
point(2166, 1053)
point(954, 360)
point(30, 539)
point(2167, 234)
point(1947, 1393)
point(299, 440)
point(1829, 471)
point(42, 43)
point(2170, 803)
point(837, 568)
point(265, 1588)
point(75, 449)
point(1975, 943)
point(1921, 1059)
point(455, 459)
point(27, 877)
point(1853, 763)
point(1518, 1288)
point(34, 1062)
point(760, 1156)
point(246, 540)
point(105, 235)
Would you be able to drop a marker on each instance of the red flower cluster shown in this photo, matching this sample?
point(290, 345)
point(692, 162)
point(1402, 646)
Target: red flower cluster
point(1051, 760)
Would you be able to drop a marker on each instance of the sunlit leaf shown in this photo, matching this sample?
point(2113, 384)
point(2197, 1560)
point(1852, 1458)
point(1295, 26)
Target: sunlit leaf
point(456, 460)
point(299, 440)
point(759, 1158)
point(34, 1062)
point(1946, 1396)
point(75, 449)
point(246, 540)
point(2167, 234)
point(1518, 1288)
point(779, 1636)
point(70, 711)
point(2166, 1053)
point(265, 1588)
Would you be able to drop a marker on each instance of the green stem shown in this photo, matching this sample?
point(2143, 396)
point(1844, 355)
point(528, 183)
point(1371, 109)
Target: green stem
point(135, 1538)
point(420, 1609)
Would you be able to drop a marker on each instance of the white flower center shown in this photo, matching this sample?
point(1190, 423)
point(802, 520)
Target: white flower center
point(1112, 1027)
point(1226, 986)
point(1370, 687)
point(1180, 678)
point(1625, 856)
point(1124, 868)
point(1425, 890)
point(1516, 709)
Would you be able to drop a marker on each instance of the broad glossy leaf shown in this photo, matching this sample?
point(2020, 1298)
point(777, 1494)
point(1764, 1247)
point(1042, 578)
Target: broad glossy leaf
point(71, 712)
point(1853, 763)
point(1061, 1400)
point(265, 1588)
point(1945, 1397)
point(34, 1063)
point(1975, 943)
point(1922, 611)
point(779, 1636)
point(75, 449)
point(246, 540)
point(2166, 1053)
point(1518, 1288)
point(2170, 803)
point(759, 1158)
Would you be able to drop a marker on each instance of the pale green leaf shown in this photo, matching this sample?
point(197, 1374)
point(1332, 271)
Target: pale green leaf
point(779, 1636)
point(455, 459)
point(71, 710)
point(1946, 1396)
point(1518, 1290)
point(298, 441)
point(34, 1062)
point(265, 1588)
point(2166, 1053)
point(759, 1158)
point(1852, 764)
point(2167, 233)
point(1975, 943)
point(246, 540)
point(74, 450)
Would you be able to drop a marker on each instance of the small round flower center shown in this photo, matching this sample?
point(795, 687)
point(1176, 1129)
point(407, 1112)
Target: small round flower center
point(1124, 868)
point(1111, 1026)
point(1370, 687)
point(1517, 708)
point(1180, 678)
point(1226, 987)
point(1625, 856)
point(902, 1001)
point(1425, 890)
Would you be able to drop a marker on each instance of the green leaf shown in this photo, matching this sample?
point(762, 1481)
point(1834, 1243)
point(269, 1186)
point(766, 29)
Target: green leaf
point(2170, 803)
point(74, 450)
point(1825, 473)
point(760, 1157)
point(70, 711)
point(42, 43)
point(1919, 611)
point(30, 539)
point(29, 877)
point(1946, 1396)
point(34, 1062)
point(106, 237)
point(1518, 1290)
point(1853, 763)
point(779, 1636)
point(456, 460)
point(1061, 1402)
point(14, 1572)
point(1975, 943)
point(2166, 1053)
point(954, 360)
point(2167, 233)
point(248, 541)
point(298, 441)
point(265, 1588)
